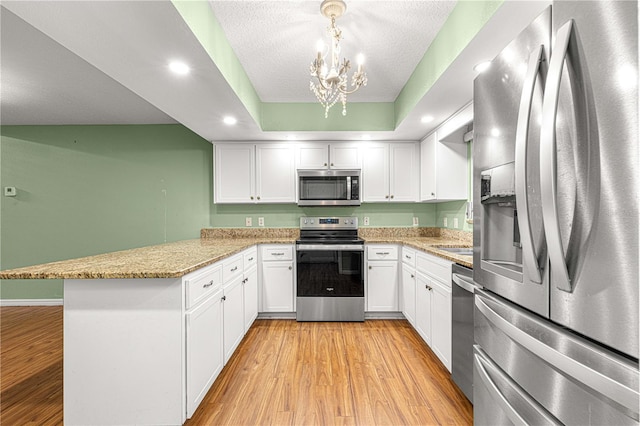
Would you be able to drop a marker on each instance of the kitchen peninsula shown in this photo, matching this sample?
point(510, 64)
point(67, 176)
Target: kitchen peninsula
point(132, 318)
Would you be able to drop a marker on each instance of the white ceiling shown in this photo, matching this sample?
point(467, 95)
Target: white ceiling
point(105, 62)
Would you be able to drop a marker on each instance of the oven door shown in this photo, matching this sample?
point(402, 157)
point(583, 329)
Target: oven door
point(330, 270)
point(330, 285)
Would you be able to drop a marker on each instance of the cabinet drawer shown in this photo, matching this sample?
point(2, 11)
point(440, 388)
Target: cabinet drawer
point(409, 256)
point(435, 267)
point(202, 283)
point(382, 252)
point(250, 258)
point(231, 268)
point(284, 252)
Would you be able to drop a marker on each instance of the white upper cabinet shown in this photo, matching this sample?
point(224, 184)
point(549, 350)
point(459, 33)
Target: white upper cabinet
point(312, 156)
point(275, 173)
point(234, 174)
point(390, 172)
point(443, 160)
point(248, 173)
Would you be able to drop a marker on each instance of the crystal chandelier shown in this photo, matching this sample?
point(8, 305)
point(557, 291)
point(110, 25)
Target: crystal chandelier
point(331, 84)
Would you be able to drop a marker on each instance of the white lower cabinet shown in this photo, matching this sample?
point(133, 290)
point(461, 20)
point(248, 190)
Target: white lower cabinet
point(382, 278)
point(278, 289)
point(233, 316)
point(250, 297)
point(433, 304)
point(424, 307)
point(441, 329)
point(204, 348)
point(408, 291)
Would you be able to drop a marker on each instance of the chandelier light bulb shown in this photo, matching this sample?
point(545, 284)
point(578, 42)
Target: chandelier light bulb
point(320, 47)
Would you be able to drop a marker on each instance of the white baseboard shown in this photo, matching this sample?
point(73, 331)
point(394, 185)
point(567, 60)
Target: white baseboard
point(31, 302)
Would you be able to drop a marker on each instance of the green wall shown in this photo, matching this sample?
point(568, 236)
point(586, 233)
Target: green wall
point(288, 215)
point(84, 190)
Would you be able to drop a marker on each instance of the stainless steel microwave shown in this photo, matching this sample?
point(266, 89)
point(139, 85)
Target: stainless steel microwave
point(328, 187)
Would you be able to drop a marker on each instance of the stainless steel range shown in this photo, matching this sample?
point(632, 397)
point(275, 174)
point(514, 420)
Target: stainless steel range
point(330, 265)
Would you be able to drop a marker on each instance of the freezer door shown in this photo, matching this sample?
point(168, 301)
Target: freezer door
point(510, 256)
point(589, 171)
point(576, 381)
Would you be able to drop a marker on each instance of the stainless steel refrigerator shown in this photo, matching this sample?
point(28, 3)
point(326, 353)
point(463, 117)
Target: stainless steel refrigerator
point(556, 221)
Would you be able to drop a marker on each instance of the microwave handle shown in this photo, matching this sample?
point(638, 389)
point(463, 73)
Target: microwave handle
point(348, 187)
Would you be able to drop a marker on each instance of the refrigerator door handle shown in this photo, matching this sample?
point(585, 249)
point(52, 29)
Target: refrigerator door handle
point(464, 283)
point(483, 367)
point(522, 138)
point(548, 159)
point(610, 388)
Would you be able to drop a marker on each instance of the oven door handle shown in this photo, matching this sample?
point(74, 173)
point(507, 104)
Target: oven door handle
point(329, 247)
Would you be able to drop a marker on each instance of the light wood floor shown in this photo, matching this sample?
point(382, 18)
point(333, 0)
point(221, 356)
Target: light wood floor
point(374, 373)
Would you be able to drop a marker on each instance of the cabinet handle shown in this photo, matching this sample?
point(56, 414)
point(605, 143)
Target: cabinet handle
point(258, 197)
point(392, 196)
point(407, 256)
point(330, 288)
point(426, 286)
point(331, 164)
point(208, 285)
point(430, 288)
point(234, 269)
point(245, 280)
point(251, 197)
point(325, 164)
point(250, 259)
point(277, 254)
point(386, 196)
point(290, 267)
point(382, 253)
point(370, 267)
point(433, 194)
point(223, 298)
point(413, 276)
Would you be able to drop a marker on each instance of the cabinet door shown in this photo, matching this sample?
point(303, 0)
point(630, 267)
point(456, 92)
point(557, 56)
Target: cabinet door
point(382, 286)
point(233, 314)
point(277, 286)
point(275, 173)
point(409, 294)
point(345, 156)
point(403, 172)
point(423, 307)
point(234, 173)
point(204, 349)
point(375, 173)
point(313, 156)
point(428, 168)
point(250, 290)
point(441, 317)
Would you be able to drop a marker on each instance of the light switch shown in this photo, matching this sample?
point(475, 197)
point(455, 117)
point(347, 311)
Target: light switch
point(261, 221)
point(10, 191)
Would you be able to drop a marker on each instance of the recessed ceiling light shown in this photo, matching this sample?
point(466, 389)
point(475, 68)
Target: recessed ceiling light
point(427, 119)
point(179, 67)
point(482, 66)
point(229, 120)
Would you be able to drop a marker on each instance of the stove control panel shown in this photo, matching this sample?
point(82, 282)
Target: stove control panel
point(328, 223)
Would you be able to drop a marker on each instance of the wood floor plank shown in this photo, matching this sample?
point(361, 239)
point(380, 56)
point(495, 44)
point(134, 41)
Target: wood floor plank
point(379, 372)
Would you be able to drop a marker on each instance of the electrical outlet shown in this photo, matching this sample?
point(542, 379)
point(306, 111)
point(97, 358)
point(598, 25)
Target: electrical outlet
point(366, 221)
point(445, 222)
point(415, 221)
point(247, 221)
point(10, 191)
point(261, 221)
point(455, 222)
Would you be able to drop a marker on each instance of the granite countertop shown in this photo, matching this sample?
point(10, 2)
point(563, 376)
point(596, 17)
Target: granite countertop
point(173, 260)
point(429, 245)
